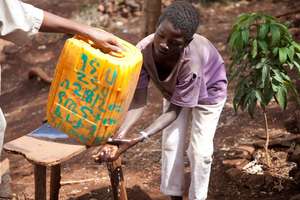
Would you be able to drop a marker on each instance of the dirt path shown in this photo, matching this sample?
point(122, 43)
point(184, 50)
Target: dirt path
point(24, 103)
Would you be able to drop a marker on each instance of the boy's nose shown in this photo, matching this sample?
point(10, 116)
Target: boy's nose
point(164, 46)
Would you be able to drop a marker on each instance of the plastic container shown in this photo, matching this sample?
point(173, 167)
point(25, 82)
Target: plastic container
point(91, 91)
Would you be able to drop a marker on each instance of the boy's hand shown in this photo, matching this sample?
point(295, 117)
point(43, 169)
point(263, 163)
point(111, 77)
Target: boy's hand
point(106, 153)
point(114, 148)
point(103, 40)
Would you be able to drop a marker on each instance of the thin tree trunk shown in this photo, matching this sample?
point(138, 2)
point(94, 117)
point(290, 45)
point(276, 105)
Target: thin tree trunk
point(152, 11)
point(267, 138)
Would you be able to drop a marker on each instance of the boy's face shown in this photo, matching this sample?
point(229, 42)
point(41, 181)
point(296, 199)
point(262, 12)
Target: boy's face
point(168, 42)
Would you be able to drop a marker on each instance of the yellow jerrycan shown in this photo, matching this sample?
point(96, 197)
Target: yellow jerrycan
point(91, 90)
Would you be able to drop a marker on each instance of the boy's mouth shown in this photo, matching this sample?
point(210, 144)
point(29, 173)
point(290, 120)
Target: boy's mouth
point(162, 52)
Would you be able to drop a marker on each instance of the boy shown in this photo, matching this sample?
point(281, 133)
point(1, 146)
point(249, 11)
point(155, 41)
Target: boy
point(191, 76)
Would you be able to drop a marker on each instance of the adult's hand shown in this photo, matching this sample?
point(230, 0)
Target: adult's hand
point(103, 40)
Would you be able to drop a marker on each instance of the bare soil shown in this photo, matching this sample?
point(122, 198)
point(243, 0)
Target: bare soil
point(24, 103)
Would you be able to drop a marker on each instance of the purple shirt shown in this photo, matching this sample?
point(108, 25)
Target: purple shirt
point(199, 77)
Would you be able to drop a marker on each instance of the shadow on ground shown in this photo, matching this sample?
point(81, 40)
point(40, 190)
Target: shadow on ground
point(134, 193)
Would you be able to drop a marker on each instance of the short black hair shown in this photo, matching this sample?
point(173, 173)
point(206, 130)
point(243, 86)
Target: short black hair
point(184, 16)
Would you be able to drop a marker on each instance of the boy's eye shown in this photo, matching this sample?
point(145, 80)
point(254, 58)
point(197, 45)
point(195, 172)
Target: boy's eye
point(160, 35)
point(175, 44)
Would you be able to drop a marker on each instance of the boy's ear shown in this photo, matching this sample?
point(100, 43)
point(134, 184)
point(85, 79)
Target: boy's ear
point(188, 41)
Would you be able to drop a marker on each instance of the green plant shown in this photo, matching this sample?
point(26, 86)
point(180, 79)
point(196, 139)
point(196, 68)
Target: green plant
point(263, 52)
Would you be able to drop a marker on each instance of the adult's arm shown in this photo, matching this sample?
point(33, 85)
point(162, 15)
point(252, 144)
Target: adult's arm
point(19, 20)
point(102, 39)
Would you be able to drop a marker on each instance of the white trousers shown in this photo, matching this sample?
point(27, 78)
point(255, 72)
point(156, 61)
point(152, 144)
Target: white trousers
point(200, 150)
point(2, 129)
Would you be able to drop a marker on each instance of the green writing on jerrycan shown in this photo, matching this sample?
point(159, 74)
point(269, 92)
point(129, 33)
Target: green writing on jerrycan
point(91, 91)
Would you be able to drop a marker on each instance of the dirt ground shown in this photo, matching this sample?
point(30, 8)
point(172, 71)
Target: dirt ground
point(24, 103)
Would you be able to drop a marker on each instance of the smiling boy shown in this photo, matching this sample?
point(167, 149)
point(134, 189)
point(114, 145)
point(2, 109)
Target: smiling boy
point(190, 74)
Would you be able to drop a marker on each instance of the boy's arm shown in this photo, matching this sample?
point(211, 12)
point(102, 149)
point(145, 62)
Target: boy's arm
point(112, 152)
point(105, 41)
point(162, 121)
point(136, 109)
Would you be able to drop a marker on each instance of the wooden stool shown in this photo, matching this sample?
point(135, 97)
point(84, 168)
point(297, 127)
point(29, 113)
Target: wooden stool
point(45, 153)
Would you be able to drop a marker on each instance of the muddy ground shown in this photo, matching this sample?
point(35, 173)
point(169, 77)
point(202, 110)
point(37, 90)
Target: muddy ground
point(24, 103)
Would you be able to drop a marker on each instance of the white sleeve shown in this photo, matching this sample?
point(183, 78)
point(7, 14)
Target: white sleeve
point(19, 20)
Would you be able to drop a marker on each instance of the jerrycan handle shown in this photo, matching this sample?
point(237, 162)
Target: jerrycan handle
point(112, 53)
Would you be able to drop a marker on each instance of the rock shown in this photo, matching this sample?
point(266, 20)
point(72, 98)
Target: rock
point(238, 163)
point(294, 155)
point(11, 49)
point(5, 188)
point(253, 167)
point(273, 133)
point(38, 57)
point(3, 43)
point(101, 8)
point(47, 38)
point(285, 141)
point(236, 153)
point(38, 73)
point(249, 148)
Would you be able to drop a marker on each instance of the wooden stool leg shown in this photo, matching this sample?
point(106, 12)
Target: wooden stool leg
point(117, 180)
point(40, 182)
point(55, 182)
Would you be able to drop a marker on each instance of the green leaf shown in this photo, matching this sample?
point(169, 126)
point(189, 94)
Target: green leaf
point(281, 26)
point(281, 97)
point(263, 45)
point(245, 36)
point(296, 45)
point(243, 17)
point(240, 91)
point(265, 74)
point(297, 65)
point(263, 31)
point(260, 98)
point(232, 39)
point(291, 53)
point(283, 52)
point(275, 51)
point(259, 65)
point(275, 32)
point(275, 85)
point(268, 94)
point(277, 76)
point(251, 103)
point(254, 48)
point(285, 77)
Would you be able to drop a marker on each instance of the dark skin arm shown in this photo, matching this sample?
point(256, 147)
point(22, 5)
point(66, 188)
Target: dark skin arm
point(103, 40)
point(111, 152)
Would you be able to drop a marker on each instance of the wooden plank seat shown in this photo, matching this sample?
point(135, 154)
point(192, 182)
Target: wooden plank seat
point(45, 147)
point(48, 147)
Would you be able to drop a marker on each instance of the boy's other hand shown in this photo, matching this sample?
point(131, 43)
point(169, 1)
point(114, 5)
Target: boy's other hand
point(114, 148)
